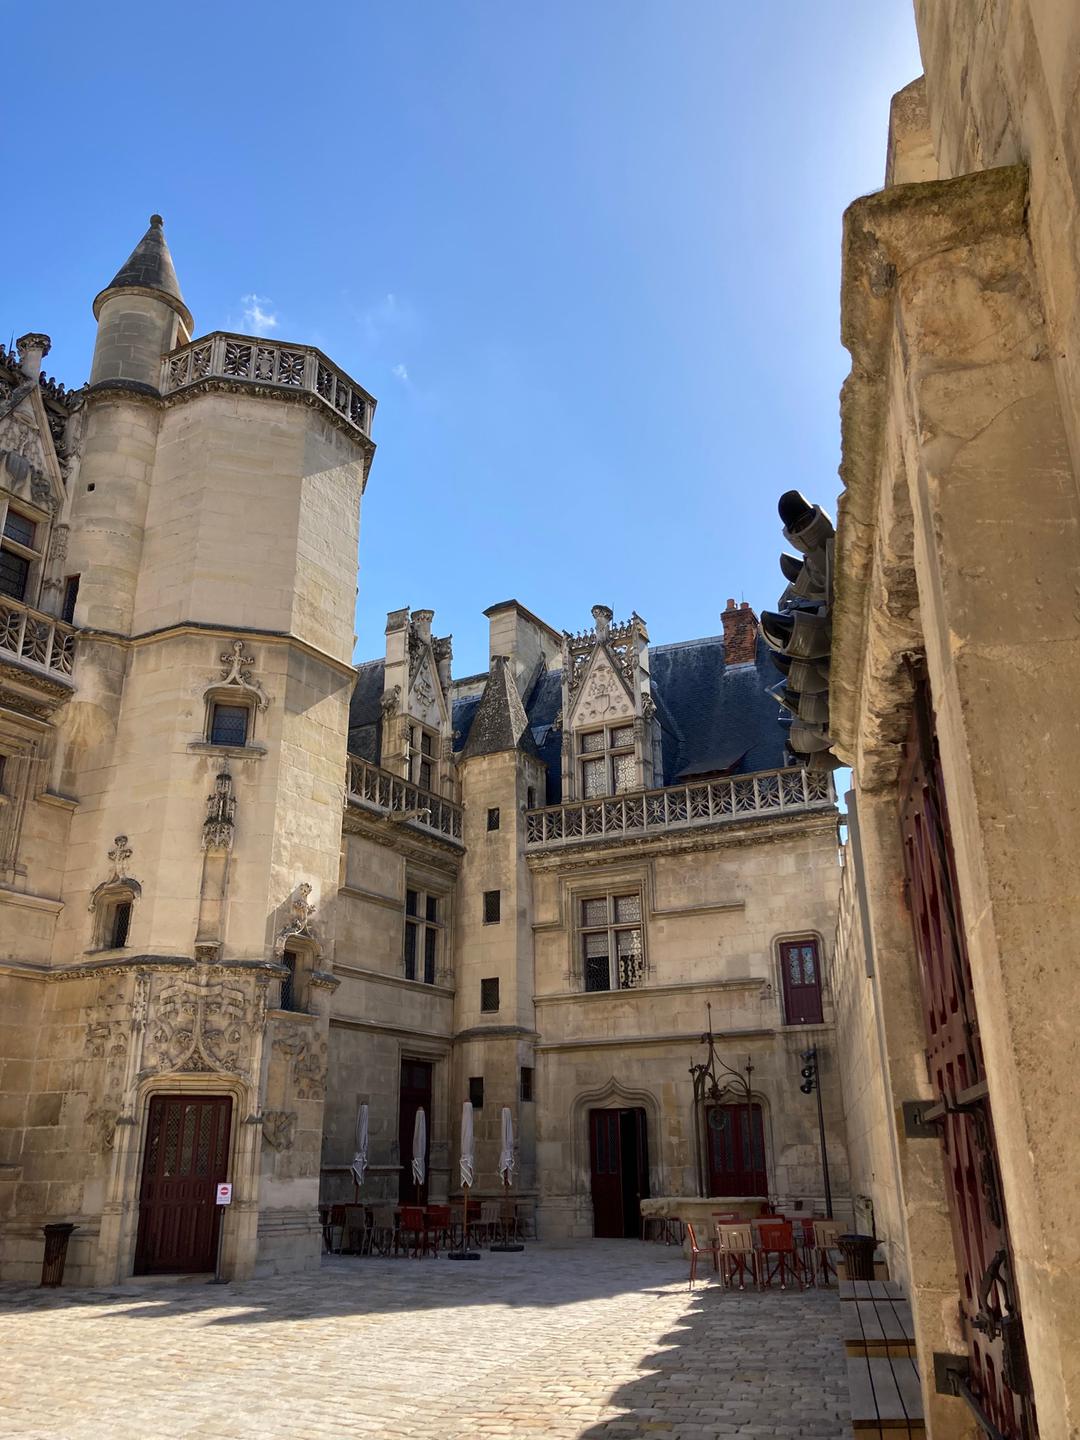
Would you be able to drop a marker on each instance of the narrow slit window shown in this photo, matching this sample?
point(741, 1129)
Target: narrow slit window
point(476, 1091)
point(493, 819)
point(229, 724)
point(492, 907)
point(119, 925)
point(489, 995)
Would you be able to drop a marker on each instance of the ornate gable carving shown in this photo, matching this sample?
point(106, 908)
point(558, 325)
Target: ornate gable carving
point(602, 693)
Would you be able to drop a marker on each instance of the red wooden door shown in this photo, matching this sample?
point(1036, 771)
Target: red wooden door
point(605, 1148)
point(989, 1308)
point(736, 1135)
point(801, 970)
point(186, 1156)
point(414, 1094)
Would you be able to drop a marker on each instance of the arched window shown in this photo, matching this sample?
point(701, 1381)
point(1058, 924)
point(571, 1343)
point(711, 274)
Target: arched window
point(113, 906)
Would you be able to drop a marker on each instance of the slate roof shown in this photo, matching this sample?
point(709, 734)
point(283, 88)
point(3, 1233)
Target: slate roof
point(712, 720)
point(365, 711)
point(150, 267)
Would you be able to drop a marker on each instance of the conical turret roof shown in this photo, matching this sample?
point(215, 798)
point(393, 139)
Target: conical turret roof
point(149, 269)
point(500, 722)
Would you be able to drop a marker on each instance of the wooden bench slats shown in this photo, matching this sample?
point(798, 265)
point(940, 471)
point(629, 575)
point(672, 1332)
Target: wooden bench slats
point(878, 1326)
point(870, 1290)
point(885, 1395)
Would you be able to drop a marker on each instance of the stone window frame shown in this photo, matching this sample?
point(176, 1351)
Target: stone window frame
point(438, 926)
point(236, 698)
point(622, 879)
point(33, 554)
point(612, 927)
point(104, 907)
point(610, 753)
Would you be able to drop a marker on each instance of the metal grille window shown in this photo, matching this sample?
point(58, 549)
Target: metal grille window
point(493, 819)
point(612, 949)
point(476, 1091)
point(229, 724)
point(608, 763)
point(423, 925)
point(119, 923)
point(489, 995)
point(18, 551)
point(492, 907)
point(71, 596)
point(290, 990)
point(526, 1086)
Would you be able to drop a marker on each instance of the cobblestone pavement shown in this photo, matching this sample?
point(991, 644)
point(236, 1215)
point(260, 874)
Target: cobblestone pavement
point(596, 1340)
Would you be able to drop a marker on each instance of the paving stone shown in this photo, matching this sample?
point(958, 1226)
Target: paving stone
point(595, 1340)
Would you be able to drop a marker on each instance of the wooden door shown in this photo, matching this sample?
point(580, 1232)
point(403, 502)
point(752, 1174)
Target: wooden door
point(186, 1156)
point(634, 1160)
point(605, 1153)
point(736, 1144)
point(989, 1307)
point(801, 971)
point(414, 1094)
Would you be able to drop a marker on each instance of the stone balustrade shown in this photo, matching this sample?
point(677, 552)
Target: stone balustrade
point(680, 807)
point(36, 639)
point(268, 364)
point(376, 789)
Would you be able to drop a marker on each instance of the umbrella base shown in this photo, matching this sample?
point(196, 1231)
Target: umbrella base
point(463, 1254)
point(506, 1246)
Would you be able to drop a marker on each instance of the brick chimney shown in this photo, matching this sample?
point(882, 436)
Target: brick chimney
point(740, 633)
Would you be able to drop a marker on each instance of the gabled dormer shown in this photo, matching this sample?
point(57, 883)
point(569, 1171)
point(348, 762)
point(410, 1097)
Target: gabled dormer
point(416, 710)
point(610, 739)
point(32, 489)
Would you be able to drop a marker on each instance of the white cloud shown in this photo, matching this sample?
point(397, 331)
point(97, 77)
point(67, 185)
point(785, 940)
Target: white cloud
point(255, 316)
point(400, 372)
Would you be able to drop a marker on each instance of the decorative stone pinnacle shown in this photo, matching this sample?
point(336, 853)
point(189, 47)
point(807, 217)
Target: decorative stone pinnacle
point(602, 616)
point(156, 222)
point(32, 349)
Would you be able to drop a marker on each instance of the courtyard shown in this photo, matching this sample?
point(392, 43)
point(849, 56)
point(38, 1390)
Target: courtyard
point(581, 1341)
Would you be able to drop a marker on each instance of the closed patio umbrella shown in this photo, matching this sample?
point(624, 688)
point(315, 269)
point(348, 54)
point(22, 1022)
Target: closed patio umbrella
point(359, 1163)
point(468, 1152)
point(419, 1146)
point(467, 1162)
point(506, 1153)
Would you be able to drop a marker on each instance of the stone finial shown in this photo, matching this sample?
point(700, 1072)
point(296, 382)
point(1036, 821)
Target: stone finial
point(740, 633)
point(602, 617)
point(422, 620)
point(32, 350)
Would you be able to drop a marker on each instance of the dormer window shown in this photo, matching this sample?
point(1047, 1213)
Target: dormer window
point(607, 761)
point(18, 551)
point(421, 756)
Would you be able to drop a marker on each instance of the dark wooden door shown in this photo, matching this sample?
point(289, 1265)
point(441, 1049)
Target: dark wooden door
point(186, 1156)
point(619, 1162)
point(415, 1094)
point(801, 970)
point(736, 1136)
point(990, 1313)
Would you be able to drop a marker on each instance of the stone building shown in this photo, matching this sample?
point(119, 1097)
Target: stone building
point(955, 649)
point(247, 887)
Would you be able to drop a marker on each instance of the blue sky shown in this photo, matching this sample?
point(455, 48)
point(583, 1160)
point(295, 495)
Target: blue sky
point(585, 254)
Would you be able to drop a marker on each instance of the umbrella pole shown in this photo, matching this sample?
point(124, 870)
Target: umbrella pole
point(464, 1253)
point(507, 1245)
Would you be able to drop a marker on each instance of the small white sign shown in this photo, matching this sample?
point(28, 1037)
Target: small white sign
point(224, 1193)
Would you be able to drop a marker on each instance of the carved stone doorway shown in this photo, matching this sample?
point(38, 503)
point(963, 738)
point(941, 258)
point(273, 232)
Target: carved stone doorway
point(186, 1156)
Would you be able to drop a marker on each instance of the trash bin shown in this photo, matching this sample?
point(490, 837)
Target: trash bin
point(56, 1246)
point(858, 1253)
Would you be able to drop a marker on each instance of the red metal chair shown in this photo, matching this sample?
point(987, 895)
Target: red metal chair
point(439, 1224)
point(778, 1254)
point(414, 1222)
point(696, 1250)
